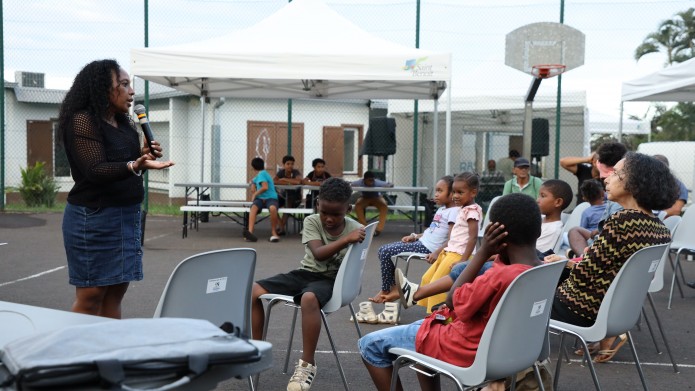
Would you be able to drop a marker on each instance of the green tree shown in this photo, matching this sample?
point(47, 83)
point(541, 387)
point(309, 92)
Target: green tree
point(665, 39)
point(675, 38)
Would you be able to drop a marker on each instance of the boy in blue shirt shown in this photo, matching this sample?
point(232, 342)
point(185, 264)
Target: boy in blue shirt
point(264, 196)
point(592, 192)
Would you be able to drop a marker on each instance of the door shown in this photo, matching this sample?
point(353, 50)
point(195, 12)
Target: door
point(40, 144)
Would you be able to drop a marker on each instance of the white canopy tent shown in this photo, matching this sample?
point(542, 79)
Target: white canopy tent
point(673, 84)
point(305, 50)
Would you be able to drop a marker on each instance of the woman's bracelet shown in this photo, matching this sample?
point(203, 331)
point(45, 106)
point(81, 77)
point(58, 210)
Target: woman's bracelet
point(130, 167)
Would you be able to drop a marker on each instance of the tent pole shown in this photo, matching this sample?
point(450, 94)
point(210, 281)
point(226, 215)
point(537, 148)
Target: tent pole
point(435, 136)
point(203, 98)
point(620, 124)
point(448, 129)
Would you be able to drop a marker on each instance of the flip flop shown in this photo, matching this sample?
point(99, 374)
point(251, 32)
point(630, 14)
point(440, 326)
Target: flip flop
point(274, 239)
point(593, 349)
point(609, 353)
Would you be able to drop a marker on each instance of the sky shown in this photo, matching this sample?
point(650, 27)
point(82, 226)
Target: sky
point(58, 37)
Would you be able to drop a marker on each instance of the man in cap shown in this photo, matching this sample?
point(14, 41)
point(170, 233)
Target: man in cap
point(523, 181)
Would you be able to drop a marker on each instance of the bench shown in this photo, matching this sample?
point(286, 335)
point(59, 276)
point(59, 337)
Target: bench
point(238, 214)
point(407, 210)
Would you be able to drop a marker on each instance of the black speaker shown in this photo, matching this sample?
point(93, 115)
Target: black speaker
point(540, 140)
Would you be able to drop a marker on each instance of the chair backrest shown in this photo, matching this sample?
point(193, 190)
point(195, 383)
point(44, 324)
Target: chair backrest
point(348, 281)
point(486, 219)
point(514, 336)
point(685, 234)
point(214, 285)
point(657, 283)
point(622, 304)
point(572, 221)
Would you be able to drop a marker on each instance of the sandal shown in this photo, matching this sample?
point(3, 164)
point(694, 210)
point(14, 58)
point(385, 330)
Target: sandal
point(249, 237)
point(593, 349)
point(274, 239)
point(389, 315)
point(609, 353)
point(366, 314)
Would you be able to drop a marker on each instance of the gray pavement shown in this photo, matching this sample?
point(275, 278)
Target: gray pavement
point(33, 272)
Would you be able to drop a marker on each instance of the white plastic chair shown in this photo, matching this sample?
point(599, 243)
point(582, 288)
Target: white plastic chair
point(216, 286)
point(682, 243)
point(572, 221)
point(486, 219)
point(619, 310)
point(514, 336)
point(657, 285)
point(347, 286)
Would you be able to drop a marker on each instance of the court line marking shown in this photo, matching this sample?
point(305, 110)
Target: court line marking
point(33, 276)
point(656, 364)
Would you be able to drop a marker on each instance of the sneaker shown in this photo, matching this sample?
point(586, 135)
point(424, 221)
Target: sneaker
point(406, 289)
point(304, 374)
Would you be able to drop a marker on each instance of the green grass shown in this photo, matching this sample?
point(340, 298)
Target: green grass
point(162, 210)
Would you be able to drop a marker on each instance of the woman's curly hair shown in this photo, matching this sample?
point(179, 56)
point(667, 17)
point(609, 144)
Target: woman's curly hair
point(649, 181)
point(89, 92)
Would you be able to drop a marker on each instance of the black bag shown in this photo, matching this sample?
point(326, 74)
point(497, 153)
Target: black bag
point(124, 354)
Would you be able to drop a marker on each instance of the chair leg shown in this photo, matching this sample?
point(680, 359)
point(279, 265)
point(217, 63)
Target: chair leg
point(289, 343)
point(663, 333)
point(539, 378)
point(651, 332)
point(252, 388)
point(637, 362)
point(556, 376)
point(675, 266)
point(354, 319)
point(586, 355)
point(335, 352)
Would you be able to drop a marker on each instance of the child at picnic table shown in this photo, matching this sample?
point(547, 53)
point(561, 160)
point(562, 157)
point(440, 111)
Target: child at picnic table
point(264, 196)
point(371, 198)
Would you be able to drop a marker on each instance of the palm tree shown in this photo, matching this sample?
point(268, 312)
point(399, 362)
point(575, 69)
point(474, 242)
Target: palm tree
point(686, 25)
point(666, 38)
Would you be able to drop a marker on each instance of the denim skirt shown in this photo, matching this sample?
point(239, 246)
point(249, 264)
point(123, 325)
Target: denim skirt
point(102, 245)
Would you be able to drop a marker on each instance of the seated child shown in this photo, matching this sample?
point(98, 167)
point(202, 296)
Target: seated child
point(464, 235)
point(371, 198)
point(326, 238)
point(315, 178)
point(264, 196)
point(288, 175)
point(431, 241)
point(593, 193)
point(553, 197)
point(512, 234)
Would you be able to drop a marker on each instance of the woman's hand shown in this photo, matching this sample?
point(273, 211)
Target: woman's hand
point(553, 258)
point(155, 150)
point(147, 162)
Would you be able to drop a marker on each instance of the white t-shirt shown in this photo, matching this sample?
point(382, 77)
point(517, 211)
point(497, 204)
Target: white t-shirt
point(438, 232)
point(549, 234)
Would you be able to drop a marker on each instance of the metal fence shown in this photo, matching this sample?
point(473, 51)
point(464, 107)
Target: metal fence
point(47, 42)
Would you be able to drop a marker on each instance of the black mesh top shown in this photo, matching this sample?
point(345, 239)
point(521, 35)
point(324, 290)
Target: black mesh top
point(98, 157)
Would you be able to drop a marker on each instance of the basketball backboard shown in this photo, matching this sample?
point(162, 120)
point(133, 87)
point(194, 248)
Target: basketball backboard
point(544, 43)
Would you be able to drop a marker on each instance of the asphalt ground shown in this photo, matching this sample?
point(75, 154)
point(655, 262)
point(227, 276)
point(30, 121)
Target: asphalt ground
point(33, 271)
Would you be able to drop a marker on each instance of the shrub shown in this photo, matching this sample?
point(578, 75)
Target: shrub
point(38, 189)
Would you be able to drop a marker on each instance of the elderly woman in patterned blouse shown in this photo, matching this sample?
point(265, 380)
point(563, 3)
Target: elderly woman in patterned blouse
point(640, 184)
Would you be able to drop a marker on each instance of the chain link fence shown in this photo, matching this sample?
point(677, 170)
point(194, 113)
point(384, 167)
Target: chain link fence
point(47, 43)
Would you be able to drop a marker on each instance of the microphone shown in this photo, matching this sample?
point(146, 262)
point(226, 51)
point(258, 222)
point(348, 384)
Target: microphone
point(144, 124)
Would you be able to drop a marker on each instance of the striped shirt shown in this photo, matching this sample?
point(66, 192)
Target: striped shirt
point(623, 234)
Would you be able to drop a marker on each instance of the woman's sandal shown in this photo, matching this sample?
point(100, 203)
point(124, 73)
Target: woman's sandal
point(366, 313)
point(593, 349)
point(607, 354)
point(389, 315)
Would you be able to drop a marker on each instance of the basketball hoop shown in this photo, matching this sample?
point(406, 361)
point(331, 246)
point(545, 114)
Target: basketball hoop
point(545, 71)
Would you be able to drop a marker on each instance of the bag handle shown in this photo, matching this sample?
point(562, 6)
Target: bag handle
point(112, 372)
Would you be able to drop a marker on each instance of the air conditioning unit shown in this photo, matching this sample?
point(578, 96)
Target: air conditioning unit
point(29, 79)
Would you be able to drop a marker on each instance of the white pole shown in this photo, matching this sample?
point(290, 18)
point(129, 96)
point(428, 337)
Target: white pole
point(620, 124)
point(435, 137)
point(202, 139)
point(448, 129)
